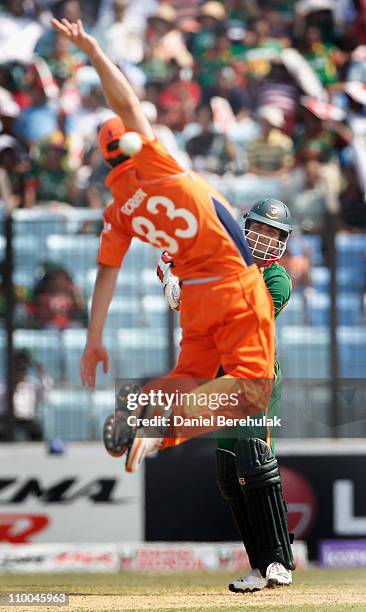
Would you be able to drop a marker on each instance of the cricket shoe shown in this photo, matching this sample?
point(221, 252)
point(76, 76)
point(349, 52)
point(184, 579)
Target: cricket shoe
point(117, 433)
point(253, 581)
point(140, 448)
point(277, 575)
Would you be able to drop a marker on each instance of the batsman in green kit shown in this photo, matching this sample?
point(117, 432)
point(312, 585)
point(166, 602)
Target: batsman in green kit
point(247, 470)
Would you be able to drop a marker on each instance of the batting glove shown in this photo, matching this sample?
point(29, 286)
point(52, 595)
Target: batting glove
point(164, 266)
point(172, 291)
point(171, 285)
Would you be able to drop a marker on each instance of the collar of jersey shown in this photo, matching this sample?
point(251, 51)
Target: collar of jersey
point(118, 171)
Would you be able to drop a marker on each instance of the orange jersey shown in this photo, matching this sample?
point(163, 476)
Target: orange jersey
point(158, 202)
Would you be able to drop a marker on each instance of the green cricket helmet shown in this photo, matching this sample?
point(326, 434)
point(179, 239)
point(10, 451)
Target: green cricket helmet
point(270, 212)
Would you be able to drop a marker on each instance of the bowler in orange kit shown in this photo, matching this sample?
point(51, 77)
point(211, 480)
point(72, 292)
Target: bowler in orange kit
point(226, 311)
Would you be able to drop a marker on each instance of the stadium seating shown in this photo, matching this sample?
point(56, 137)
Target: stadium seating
point(37, 222)
point(125, 312)
point(352, 352)
point(44, 346)
point(351, 261)
point(318, 308)
point(304, 351)
point(29, 252)
point(307, 243)
point(320, 278)
point(73, 252)
point(103, 405)
point(69, 415)
point(155, 312)
point(141, 353)
point(314, 243)
point(293, 313)
point(128, 283)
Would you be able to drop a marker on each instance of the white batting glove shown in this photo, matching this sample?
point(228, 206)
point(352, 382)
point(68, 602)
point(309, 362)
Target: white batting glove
point(171, 285)
point(172, 292)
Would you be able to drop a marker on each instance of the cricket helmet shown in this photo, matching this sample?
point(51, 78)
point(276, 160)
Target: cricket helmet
point(270, 212)
point(109, 135)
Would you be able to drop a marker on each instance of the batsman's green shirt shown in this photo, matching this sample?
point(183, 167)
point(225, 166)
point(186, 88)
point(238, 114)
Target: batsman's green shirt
point(278, 283)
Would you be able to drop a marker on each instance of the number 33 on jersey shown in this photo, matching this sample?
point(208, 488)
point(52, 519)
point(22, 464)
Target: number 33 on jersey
point(146, 228)
point(158, 202)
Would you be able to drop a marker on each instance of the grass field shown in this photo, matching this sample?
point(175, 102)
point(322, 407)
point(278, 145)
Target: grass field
point(313, 589)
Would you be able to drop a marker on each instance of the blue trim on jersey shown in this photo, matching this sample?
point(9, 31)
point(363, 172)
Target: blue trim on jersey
point(234, 231)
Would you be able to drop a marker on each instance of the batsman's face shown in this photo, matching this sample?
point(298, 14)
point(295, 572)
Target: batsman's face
point(264, 242)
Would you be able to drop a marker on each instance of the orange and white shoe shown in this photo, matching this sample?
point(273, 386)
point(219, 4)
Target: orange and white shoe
point(140, 448)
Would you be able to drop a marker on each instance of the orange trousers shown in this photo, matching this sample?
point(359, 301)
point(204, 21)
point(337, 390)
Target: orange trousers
point(230, 323)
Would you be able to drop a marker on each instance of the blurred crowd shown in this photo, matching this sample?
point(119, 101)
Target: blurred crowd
point(268, 95)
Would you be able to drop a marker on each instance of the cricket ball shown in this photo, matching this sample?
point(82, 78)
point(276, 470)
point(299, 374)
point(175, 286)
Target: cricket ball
point(130, 143)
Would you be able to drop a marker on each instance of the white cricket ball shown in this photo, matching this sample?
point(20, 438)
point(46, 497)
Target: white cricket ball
point(130, 143)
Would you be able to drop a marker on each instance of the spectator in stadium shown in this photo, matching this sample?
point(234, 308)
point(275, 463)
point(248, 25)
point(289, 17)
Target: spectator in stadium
point(309, 204)
point(164, 40)
point(122, 38)
point(352, 203)
point(209, 150)
point(32, 384)
point(354, 130)
point(19, 33)
point(137, 12)
point(356, 28)
point(215, 58)
point(164, 134)
point(279, 88)
point(315, 13)
point(322, 56)
point(61, 61)
point(265, 38)
point(229, 85)
point(237, 10)
point(16, 164)
point(92, 110)
point(211, 16)
point(22, 297)
point(271, 153)
point(54, 181)
point(57, 302)
point(65, 9)
point(356, 69)
point(9, 111)
point(90, 178)
point(312, 140)
point(179, 99)
point(39, 119)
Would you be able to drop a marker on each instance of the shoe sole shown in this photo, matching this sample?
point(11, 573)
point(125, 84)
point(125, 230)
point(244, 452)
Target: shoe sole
point(108, 440)
point(134, 458)
point(273, 584)
point(236, 590)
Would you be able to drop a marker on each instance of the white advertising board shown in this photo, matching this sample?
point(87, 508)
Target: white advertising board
point(83, 495)
point(134, 556)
